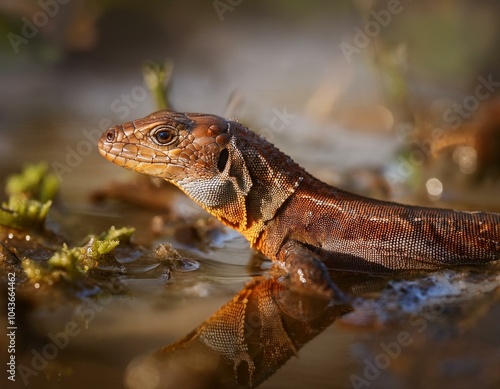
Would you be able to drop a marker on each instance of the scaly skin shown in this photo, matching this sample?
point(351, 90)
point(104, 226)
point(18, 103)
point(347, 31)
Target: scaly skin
point(247, 340)
point(286, 213)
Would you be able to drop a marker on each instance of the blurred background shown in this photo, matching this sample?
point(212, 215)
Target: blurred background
point(393, 99)
point(386, 86)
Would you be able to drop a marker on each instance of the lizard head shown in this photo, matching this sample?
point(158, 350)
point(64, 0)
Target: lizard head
point(169, 145)
point(193, 151)
point(227, 169)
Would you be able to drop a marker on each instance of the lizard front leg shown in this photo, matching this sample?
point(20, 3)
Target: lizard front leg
point(306, 272)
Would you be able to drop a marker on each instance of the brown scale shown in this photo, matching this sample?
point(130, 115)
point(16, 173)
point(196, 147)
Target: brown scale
point(246, 340)
point(289, 215)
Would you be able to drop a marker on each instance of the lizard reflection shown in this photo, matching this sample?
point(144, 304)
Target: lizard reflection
point(243, 343)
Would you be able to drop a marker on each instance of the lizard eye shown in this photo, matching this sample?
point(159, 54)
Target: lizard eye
point(163, 135)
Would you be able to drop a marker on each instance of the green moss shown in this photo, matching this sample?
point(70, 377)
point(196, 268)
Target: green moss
point(75, 263)
point(35, 271)
point(67, 260)
point(30, 197)
point(22, 213)
point(122, 234)
point(82, 259)
point(35, 182)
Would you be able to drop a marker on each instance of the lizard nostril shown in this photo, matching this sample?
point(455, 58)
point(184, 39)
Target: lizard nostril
point(110, 135)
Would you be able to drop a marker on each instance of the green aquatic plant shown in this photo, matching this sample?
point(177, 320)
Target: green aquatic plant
point(76, 262)
point(35, 182)
point(22, 213)
point(123, 234)
point(30, 197)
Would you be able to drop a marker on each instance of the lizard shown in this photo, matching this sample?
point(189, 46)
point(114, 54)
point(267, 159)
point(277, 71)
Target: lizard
point(246, 341)
point(302, 224)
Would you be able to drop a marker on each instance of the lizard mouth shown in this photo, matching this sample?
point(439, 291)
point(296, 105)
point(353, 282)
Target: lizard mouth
point(154, 165)
point(116, 147)
point(123, 153)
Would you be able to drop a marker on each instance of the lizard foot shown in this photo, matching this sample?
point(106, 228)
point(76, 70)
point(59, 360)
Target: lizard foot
point(307, 274)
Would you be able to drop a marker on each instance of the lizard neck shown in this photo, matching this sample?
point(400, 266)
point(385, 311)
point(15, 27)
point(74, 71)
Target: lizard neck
point(274, 176)
point(256, 182)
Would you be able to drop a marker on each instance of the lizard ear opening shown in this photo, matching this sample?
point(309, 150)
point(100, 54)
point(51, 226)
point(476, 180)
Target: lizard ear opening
point(238, 170)
point(222, 161)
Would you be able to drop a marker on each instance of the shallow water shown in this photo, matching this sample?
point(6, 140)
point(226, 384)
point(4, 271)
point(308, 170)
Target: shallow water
point(442, 323)
point(411, 331)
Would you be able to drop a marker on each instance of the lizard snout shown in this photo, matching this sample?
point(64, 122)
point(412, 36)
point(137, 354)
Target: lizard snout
point(107, 140)
point(111, 136)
